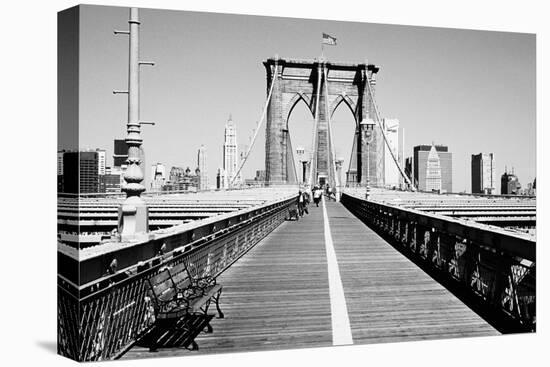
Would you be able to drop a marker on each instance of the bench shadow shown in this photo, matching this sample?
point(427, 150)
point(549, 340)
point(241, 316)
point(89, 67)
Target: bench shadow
point(48, 345)
point(176, 334)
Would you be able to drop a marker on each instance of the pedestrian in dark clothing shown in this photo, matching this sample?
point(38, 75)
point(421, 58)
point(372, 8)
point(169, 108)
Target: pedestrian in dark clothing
point(305, 196)
point(300, 203)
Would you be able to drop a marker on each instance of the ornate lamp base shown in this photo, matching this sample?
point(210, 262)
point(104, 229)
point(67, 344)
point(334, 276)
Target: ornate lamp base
point(133, 219)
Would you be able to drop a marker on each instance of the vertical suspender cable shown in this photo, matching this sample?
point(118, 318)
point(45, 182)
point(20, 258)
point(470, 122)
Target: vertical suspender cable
point(385, 138)
point(293, 161)
point(275, 75)
point(314, 138)
point(331, 146)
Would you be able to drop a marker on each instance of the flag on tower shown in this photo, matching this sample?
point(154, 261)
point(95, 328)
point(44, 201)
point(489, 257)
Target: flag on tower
point(329, 40)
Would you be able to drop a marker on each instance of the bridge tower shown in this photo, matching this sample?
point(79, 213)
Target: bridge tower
point(323, 86)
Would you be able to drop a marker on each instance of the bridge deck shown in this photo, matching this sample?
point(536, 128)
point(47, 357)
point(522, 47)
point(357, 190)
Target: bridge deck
point(277, 296)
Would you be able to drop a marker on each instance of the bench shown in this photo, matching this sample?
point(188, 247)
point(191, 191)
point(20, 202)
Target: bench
point(181, 302)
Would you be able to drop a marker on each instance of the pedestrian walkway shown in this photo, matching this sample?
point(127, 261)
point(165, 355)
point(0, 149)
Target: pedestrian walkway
point(284, 293)
point(389, 298)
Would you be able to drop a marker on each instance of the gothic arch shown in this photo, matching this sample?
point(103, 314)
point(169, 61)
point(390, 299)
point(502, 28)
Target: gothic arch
point(323, 86)
point(299, 96)
point(348, 101)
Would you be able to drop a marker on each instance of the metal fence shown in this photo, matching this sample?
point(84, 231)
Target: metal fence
point(495, 270)
point(104, 319)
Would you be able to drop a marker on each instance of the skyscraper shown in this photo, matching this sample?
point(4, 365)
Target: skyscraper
point(101, 162)
point(433, 171)
point(433, 164)
point(111, 180)
point(391, 172)
point(201, 163)
point(182, 180)
point(409, 170)
point(60, 171)
point(120, 153)
point(230, 152)
point(158, 176)
point(221, 179)
point(509, 184)
point(483, 174)
point(81, 171)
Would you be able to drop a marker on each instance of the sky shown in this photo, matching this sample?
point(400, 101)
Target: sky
point(473, 91)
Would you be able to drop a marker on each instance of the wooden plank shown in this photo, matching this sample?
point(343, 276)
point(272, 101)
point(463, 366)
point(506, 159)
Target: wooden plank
point(277, 296)
point(389, 298)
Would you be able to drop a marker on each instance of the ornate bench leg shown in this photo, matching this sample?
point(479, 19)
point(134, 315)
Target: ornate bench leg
point(209, 329)
point(194, 345)
point(220, 313)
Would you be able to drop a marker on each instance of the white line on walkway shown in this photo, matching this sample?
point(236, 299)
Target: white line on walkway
point(341, 331)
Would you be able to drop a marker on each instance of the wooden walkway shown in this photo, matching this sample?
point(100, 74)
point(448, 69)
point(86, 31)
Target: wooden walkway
point(277, 296)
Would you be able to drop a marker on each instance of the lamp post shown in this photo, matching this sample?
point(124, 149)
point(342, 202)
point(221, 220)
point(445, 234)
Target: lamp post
point(300, 152)
point(133, 213)
point(367, 127)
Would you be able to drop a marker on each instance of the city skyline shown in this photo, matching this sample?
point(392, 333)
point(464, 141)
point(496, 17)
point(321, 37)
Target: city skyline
point(483, 61)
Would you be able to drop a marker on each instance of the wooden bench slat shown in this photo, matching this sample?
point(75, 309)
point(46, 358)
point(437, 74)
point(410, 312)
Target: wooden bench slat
point(197, 303)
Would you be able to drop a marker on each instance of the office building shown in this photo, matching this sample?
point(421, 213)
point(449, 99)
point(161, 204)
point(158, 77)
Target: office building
point(101, 162)
point(432, 168)
point(201, 164)
point(81, 171)
point(509, 184)
point(433, 171)
point(409, 170)
point(60, 171)
point(182, 180)
point(158, 177)
point(230, 153)
point(221, 179)
point(120, 154)
point(483, 174)
point(111, 182)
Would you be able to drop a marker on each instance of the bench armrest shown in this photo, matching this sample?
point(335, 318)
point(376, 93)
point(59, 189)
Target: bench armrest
point(205, 282)
point(177, 302)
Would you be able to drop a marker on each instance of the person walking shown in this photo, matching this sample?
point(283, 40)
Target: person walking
point(329, 192)
point(300, 203)
point(317, 193)
point(305, 197)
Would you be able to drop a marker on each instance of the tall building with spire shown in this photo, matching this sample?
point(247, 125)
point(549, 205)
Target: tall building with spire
point(231, 152)
point(201, 164)
point(433, 171)
point(432, 167)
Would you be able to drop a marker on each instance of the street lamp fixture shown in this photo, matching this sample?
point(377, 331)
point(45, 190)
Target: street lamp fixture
point(300, 152)
point(367, 128)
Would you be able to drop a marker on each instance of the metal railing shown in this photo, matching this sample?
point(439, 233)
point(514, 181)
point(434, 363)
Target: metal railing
point(492, 270)
point(102, 319)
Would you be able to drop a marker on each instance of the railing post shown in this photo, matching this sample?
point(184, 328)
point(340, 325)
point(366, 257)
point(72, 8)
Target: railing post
point(414, 237)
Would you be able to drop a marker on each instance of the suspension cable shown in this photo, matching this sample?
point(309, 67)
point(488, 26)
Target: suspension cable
point(377, 114)
point(275, 72)
point(292, 158)
point(314, 137)
point(331, 145)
